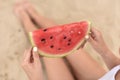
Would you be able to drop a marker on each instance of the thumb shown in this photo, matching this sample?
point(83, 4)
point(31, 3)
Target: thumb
point(35, 54)
point(91, 40)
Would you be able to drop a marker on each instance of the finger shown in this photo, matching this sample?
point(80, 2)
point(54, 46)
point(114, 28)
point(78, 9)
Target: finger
point(28, 55)
point(96, 34)
point(35, 55)
point(94, 30)
point(91, 40)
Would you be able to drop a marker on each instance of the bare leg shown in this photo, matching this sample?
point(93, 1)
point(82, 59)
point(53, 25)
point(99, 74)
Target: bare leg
point(56, 68)
point(82, 72)
point(39, 20)
point(84, 66)
point(25, 19)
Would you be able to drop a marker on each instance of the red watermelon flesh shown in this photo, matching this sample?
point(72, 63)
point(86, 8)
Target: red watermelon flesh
point(60, 40)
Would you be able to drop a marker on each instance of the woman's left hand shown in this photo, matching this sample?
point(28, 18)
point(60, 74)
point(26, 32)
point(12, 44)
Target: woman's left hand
point(32, 65)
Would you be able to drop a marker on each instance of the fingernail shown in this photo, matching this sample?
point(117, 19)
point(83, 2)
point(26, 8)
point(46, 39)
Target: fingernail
point(35, 49)
point(87, 37)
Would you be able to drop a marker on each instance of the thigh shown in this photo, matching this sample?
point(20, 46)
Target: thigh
point(85, 66)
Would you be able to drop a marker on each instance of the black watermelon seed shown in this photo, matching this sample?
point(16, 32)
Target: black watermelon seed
point(51, 37)
point(45, 30)
point(68, 44)
point(51, 46)
point(43, 40)
point(69, 40)
point(59, 48)
point(64, 37)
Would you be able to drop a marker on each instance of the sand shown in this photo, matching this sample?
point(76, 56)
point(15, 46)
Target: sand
point(104, 14)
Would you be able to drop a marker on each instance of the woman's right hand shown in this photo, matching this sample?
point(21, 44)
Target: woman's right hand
point(97, 41)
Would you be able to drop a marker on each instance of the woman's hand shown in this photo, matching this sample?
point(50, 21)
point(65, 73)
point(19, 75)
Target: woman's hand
point(97, 42)
point(32, 65)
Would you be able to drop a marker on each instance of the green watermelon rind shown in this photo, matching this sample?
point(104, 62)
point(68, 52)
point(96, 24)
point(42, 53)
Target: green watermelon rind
point(65, 54)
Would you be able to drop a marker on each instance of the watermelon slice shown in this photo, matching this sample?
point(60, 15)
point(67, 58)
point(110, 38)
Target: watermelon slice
point(59, 41)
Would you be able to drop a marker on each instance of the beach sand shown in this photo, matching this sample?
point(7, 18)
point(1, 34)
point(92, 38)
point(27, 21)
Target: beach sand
point(104, 15)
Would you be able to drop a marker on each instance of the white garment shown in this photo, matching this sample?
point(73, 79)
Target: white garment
point(111, 74)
